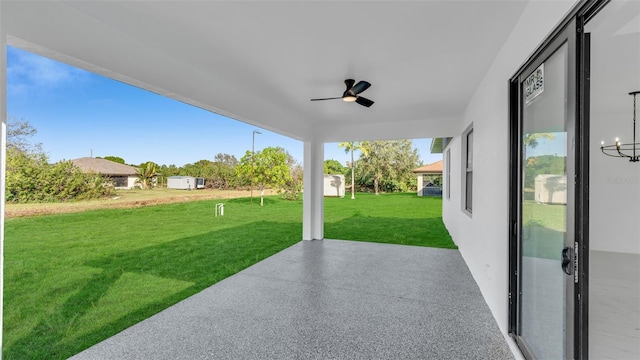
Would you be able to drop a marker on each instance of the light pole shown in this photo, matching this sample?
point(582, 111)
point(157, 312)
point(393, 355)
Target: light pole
point(253, 142)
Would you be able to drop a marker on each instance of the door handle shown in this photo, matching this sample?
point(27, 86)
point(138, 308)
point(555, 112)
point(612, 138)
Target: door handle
point(567, 256)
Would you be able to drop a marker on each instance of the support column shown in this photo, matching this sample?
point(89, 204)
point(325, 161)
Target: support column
point(313, 191)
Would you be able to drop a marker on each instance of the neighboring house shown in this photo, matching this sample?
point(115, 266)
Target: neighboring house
point(185, 182)
point(334, 185)
point(430, 179)
point(123, 176)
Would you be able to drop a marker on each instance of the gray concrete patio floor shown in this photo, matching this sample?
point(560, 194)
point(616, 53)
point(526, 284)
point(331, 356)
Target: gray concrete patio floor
point(328, 299)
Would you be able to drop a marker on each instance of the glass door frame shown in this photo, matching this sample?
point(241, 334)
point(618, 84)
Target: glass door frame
point(564, 37)
point(571, 29)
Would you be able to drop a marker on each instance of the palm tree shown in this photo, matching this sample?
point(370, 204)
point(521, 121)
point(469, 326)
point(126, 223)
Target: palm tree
point(351, 146)
point(146, 172)
point(531, 140)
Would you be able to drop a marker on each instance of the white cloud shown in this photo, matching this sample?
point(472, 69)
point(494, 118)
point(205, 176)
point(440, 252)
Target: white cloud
point(27, 71)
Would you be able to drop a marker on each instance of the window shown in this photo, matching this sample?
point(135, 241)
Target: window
point(120, 181)
point(448, 174)
point(467, 186)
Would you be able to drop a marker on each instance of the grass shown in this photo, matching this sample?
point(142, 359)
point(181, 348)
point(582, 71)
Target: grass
point(387, 218)
point(543, 230)
point(72, 280)
point(545, 215)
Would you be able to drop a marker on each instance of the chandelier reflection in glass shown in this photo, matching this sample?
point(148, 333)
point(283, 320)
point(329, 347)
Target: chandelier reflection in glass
point(628, 150)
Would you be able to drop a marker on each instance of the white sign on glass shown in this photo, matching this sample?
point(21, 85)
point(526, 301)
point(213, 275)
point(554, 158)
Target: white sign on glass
point(534, 84)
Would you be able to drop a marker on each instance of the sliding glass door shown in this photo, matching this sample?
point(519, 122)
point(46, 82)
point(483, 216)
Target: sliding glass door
point(544, 201)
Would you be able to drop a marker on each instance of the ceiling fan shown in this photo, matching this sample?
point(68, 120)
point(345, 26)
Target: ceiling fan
point(351, 94)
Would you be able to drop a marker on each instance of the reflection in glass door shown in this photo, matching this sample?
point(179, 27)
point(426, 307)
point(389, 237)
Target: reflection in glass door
point(544, 210)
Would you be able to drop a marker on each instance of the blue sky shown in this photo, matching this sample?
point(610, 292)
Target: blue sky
point(556, 146)
point(78, 113)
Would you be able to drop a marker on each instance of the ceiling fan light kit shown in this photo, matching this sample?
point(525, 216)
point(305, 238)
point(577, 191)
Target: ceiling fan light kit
point(351, 94)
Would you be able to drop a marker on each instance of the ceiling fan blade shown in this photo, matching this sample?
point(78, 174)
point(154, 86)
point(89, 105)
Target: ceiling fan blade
point(349, 83)
point(364, 101)
point(333, 98)
point(360, 87)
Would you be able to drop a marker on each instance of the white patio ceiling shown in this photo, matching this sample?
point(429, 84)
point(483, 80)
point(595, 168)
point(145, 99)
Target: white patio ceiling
point(261, 61)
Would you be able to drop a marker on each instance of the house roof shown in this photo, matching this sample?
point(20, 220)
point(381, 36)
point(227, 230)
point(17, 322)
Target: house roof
point(104, 167)
point(438, 144)
point(433, 168)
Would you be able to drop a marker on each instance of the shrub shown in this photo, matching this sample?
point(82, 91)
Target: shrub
point(30, 178)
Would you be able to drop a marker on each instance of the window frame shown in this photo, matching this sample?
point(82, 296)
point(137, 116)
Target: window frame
point(448, 174)
point(467, 170)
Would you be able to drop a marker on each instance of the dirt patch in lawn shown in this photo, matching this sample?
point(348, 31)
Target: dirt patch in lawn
point(127, 199)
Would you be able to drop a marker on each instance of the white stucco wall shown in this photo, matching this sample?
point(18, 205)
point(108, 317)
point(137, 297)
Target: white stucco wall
point(483, 237)
point(614, 211)
point(614, 198)
point(131, 182)
point(614, 206)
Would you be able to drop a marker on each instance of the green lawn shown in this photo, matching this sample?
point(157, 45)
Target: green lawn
point(388, 218)
point(72, 280)
point(543, 230)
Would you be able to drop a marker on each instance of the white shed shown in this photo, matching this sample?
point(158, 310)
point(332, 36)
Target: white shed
point(334, 185)
point(551, 189)
point(185, 182)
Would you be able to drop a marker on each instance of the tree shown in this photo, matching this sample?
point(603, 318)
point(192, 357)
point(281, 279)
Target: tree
point(117, 159)
point(146, 172)
point(30, 177)
point(201, 168)
point(225, 159)
point(219, 173)
point(165, 171)
point(333, 167)
point(294, 185)
point(269, 168)
point(390, 163)
point(351, 146)
point(18, 133)
point(224, 176)
point(543, 164)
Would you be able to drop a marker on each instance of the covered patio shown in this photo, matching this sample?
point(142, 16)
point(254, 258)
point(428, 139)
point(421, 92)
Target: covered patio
point(437, 69)
point(329, 299)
